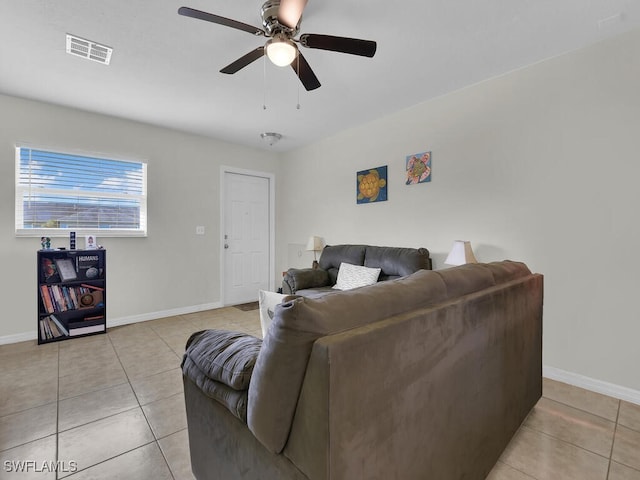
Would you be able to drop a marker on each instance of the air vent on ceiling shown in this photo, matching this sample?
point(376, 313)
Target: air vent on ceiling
point(88, 49)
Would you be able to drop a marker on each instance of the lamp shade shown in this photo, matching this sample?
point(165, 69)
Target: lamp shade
point(461, 253)
point(315, 244)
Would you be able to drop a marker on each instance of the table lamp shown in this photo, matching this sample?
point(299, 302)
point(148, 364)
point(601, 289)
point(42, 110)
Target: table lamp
point(461, 253)
point(315, 244)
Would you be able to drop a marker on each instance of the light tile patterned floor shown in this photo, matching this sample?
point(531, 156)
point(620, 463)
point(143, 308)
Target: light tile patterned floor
point(113, 403)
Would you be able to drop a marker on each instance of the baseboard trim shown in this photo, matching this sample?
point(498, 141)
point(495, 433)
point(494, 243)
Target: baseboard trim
point(143, 317)
point(116, 322)
point(592, 384)
point(18, 337)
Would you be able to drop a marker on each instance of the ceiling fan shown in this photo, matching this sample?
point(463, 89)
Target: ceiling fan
point(281, 22)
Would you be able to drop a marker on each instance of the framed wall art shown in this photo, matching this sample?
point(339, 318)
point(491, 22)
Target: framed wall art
point(418, 168)
point(371, 185)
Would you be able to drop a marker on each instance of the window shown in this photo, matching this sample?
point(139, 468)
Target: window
point(59, 192)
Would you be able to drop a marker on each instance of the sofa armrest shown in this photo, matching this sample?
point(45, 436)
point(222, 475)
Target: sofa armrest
point(300, 278)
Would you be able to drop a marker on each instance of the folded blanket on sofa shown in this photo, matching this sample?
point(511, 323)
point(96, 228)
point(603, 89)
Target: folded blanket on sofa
point(221, 362)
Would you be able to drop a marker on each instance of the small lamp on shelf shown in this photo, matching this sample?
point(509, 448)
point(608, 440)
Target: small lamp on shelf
point(461, 253)
point(315, 244)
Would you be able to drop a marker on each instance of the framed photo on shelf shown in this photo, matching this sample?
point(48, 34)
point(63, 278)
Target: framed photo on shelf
point(90, 242)
point(66, 269)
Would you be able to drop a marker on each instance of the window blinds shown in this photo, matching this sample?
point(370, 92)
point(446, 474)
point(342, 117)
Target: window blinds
point(61, 192)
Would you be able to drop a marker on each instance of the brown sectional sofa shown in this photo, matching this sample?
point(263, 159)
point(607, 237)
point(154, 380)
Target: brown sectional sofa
point(423, 377)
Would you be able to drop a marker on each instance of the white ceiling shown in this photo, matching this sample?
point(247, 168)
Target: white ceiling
point(165, 67)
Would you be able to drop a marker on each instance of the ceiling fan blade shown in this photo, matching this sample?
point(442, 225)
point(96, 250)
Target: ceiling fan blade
point(243, 61)
point(354, 46)
point(227, 22)
point(290, 12)
point(304, 72)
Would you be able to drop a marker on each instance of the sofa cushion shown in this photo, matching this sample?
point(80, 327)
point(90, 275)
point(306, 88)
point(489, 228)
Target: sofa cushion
point(224, 356)
point(333, 255)
point(233, 400)
point(507, 270)
point(282, 362)
point(472, 277)
point(315, 292)
point(466, 279)
point(396, 262)
point(302, 278)
point(221, 362)
point(354, 276)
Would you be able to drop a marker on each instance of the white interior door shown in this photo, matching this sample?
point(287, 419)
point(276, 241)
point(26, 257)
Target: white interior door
point(246, 237)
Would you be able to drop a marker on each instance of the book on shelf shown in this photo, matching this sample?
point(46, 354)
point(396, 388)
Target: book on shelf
point(59, 324)
point(85, 330)
point(88, 266)
point(49, 270)
point(47, 329)
point(51, 328)
point(99, 327)
point(61, 298)
point(46, 298)
point(43, 333)
point(66, 269)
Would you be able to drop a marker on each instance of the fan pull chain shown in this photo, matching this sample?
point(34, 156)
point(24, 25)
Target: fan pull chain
point(298, 62)
point(264, 82)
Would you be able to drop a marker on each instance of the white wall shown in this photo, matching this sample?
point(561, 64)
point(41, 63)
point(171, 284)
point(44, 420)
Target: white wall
point(540, 165)
point(171, 270)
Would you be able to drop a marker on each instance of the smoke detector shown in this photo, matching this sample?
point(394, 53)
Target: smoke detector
point(88, 49)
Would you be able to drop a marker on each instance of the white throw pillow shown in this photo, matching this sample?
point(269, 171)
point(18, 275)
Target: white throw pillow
point(267, 302)
point(353, 276)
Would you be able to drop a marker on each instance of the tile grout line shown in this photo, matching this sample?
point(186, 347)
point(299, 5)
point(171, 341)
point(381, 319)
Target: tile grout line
point(583, 410)
point(145, 416)
point(613, 440)
point(126, 374)
point(77, 426)
point(180, 360)
point(550, 435)
point(514, 468)
point(111, 458)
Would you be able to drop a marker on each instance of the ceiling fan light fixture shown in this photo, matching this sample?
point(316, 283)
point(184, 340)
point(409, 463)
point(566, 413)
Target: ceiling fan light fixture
point(281, 51)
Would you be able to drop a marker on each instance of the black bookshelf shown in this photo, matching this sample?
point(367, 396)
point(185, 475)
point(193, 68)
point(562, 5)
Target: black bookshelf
point(72, 289)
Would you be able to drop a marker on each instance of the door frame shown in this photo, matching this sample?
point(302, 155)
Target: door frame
point(224, 169)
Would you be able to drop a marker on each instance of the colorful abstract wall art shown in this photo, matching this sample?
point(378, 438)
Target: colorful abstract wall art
point(419, 168)
point(371, 185)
